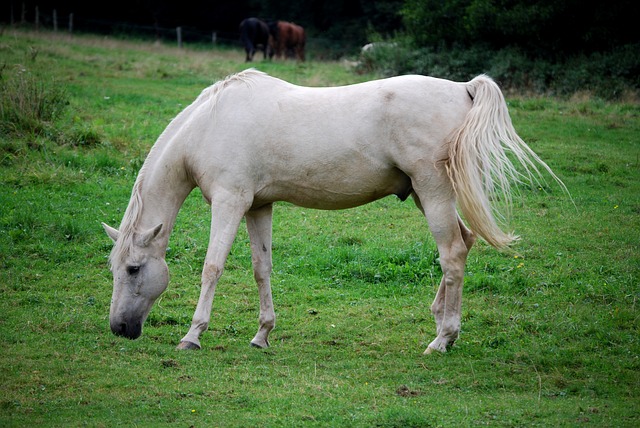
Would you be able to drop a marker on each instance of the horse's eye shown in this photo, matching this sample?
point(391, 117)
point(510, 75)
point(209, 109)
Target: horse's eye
point(133, 270)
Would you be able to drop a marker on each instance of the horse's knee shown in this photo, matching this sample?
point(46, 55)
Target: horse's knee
point(211, 273)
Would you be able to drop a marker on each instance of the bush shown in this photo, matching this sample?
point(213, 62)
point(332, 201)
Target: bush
point(607, 75)
point(28, 106)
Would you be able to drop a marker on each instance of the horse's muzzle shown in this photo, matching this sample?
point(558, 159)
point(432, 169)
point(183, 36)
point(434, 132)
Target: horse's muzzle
point(128, 330)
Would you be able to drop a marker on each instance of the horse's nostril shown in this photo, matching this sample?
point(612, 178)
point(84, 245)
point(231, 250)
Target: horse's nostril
point(130, 330)
point(119, 329)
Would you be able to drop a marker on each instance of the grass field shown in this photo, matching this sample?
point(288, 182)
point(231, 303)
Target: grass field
point(550, 333)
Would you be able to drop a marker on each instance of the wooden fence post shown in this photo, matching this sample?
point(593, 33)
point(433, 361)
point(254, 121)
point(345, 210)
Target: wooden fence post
point(70, 23)
point(179, 33)
point(55, 21)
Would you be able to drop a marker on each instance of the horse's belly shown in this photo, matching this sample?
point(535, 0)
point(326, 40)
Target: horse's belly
point(331, 201)
point(333, 193)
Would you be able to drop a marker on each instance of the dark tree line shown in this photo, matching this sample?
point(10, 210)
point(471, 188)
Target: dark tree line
point(539, 27)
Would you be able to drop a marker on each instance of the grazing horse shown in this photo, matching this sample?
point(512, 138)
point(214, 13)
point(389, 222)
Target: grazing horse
point(251, 140)
point(254, 33)
point(287, 39)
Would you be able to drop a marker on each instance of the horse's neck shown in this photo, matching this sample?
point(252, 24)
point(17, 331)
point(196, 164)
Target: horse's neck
point(164, 188)
point(164, 182)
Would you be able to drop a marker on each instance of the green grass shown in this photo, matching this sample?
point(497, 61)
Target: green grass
point(550, 333)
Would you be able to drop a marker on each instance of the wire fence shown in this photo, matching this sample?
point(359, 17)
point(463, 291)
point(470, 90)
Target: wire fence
point(50, 20)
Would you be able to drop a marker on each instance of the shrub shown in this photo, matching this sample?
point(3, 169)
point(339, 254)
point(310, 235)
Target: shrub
point(608, 75)
point(27, 106)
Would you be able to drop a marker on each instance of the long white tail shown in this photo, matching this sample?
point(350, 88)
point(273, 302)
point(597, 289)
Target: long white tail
point(478, 165)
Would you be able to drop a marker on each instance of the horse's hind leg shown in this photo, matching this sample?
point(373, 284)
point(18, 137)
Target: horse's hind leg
point(438, 305)
point(259, 228)
point(454, 241)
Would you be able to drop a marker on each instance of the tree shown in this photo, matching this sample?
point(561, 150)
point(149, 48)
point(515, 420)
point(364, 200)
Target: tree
point(539, 27)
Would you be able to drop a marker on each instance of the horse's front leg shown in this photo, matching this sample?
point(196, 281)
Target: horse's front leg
point(225, 221)
point(259, 228)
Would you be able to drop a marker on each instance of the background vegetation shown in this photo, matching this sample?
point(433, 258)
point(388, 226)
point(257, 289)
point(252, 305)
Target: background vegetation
point(550, 331)
point(540, 46)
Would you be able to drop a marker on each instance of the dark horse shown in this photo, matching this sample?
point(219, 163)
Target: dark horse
point(287, 39)
point(253, 33)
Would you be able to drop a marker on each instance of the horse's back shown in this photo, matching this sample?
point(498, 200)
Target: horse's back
point(421, 95)
point(375, 113)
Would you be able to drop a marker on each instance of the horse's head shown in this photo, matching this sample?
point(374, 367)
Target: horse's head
point(140, 275)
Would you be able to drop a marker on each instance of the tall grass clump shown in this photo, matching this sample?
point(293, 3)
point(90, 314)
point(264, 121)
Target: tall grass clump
point(28, 106)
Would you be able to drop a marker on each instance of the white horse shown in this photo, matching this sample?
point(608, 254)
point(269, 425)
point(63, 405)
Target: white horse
point(251, 140)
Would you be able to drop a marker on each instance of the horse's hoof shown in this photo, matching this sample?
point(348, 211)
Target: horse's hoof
point(184, 345)
point(439, 345)
point(432, 350)
point(262, 345)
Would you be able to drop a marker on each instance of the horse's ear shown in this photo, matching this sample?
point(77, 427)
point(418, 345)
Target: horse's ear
point(113, 233)
point(143, 239)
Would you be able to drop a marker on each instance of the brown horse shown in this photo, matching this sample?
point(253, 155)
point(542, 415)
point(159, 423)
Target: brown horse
point(287, 39)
